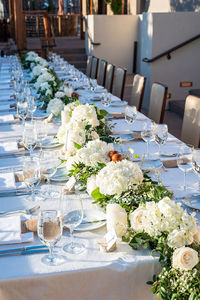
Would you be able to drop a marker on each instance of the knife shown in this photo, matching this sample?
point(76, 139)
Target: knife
point(23, 249)
point(14, 193)
point(18, 253)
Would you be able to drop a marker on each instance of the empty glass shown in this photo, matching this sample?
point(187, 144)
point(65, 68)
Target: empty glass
point(31, 106)
point(147, 135)
point(41, 129)
point(50, 232)
point(31, 175)
point(106, 99)
point(72, 210)
point(22, 110)
point(30, 137)
point(130, 114)
point(184, 161)
point(160, 134)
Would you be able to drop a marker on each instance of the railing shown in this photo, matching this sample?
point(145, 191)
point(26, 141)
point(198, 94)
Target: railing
point(168, 52)
point(89, 34)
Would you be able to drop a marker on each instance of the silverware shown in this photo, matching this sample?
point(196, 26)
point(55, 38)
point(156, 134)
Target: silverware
point(23, 249)
point(27, 252)
point(14, 193)
point(29, 211)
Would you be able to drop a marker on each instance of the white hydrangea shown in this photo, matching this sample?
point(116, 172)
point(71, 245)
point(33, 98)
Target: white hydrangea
point(59, 94)
point(165, 216)
point(75, 133)
point(91, 184)
point(68, 91)
point(31, 56)
point(45, 77)
point(117, 177)
point(86, 113)
point(41, 61)
point(55, 107)
point(93, 153)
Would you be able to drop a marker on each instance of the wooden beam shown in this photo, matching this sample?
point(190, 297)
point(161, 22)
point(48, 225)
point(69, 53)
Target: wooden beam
point(91, 7)
point(20, 25)
point(11, 18)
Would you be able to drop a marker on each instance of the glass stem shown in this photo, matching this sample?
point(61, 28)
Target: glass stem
point(32, 194)
point(51, 252)
point(184, 182)
point(72, 235)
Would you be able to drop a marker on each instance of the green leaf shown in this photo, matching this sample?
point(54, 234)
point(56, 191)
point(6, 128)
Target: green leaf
point(103, 112)
point(87, 127)
point(149, 282)
point(97, 195)
point(136, 155)
point(77, 146)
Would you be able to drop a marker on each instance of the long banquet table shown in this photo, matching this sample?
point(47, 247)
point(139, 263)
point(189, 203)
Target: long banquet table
point(91, 275)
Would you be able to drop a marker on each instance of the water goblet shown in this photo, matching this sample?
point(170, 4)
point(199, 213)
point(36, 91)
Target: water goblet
point(31, 106)
point(160, 134)
point(30, 137)
point(22, 110)
point(31, 175)
point(130, 114)
point(147, 135)
point(41, 129)
point(184, 161)
point(50, 232)
point(106, 99)
point(72, 211)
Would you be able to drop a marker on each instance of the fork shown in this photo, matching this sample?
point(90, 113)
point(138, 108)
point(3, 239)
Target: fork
point(29, 211)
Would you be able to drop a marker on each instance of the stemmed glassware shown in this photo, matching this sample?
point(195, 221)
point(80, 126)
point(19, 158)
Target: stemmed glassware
point(31, 175)
point(22, 110)
point(147, 135)
point(50, 232)
point(49, 161)
point(106, 99)
point(41, 129)
point(160, 134)
point(72, 210)
point(31, 106)
point(130, 114)
point(184, 161)
point(30, 137)
point(196, 162)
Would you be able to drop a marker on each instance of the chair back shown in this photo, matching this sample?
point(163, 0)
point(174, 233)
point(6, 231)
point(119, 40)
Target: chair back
point(94, 68)
point(157, 102)
point(109, 77)
point(137, 92)
point(190, 132)
point(89, 66)
point(101, 75)
point(119, 82)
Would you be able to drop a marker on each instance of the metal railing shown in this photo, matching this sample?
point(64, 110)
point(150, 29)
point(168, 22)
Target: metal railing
point(89, 34)
point(168, 52)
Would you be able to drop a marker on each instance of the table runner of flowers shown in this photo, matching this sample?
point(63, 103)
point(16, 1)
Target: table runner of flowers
point(140, 210)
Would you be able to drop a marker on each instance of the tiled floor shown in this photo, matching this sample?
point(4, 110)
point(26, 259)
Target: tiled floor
point(173, 120)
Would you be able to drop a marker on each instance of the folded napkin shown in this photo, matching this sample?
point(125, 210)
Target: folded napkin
point(117, 115)
point(8, 147)
point(7, 181)
point(6, 118)
point(10, 231)
point(172, 163)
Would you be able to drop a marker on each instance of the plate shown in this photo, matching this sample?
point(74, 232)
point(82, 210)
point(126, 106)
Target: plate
point(169, 150)
point(50, 142)
point(40, 114)
point(150, 165)
point(92, 215)
point(118, 103)
point(60, 175)
point(192, 201)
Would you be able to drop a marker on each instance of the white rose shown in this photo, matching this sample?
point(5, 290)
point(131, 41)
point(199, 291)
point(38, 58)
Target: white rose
point(61, 135)
point(196, 237)
point(91, 184)
point(116, 219)
point(136, 219)
point(185, 258)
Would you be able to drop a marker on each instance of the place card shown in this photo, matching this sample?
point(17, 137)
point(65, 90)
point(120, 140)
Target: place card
point(70, 185)
point(109, 241)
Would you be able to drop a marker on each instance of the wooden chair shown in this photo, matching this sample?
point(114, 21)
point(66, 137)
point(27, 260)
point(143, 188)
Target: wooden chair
point(137, 92)
point(190, 132)
point(157, 102)
point(119, 82)
point(101, 75)
point(89, 66)
point(47, 44)
point(94, 67)
point(109, 77)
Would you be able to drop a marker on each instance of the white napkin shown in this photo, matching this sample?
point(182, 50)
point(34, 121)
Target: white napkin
point(7, 181)
point(10, 231)
point(8, 147)
point(6, 118)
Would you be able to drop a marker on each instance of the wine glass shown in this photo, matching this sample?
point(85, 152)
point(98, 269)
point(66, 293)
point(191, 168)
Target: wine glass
point(41, 129)
point(49, 161)
point(30, 137)
point(160, 134)
point(31, 106)
point(72, 211)
point(130, 114)
point(184, 161)
point(31, 175)
point(147, 135)
point(22, 110)
point(50, 232)
point(106, 99)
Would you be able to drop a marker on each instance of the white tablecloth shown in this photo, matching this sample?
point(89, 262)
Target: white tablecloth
point(92, 274)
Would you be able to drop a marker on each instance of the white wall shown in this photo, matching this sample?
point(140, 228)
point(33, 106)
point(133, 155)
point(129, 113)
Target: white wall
point(161, 31)
point(116, 34)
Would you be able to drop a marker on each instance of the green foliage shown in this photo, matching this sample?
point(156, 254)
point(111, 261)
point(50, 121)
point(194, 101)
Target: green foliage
point(115, 5)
